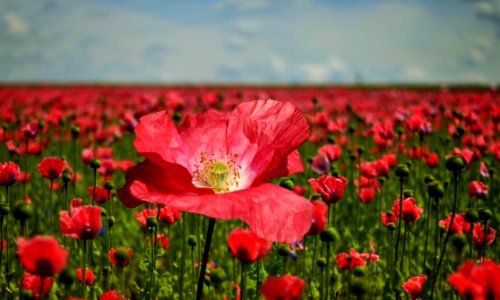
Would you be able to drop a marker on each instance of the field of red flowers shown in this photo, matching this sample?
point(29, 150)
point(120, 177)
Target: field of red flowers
point(150, 192)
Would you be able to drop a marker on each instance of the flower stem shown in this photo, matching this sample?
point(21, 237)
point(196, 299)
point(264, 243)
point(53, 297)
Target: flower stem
point(403, 252)
point(204, 260)
point(327, 271)
point(243, 280)
point(426, 232)
point(84, 273)
point(401, 182)
point(95, 182)
point(183, 249)
point(51, 207)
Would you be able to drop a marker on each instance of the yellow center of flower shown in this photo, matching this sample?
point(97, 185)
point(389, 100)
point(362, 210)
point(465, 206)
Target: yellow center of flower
point(220, 175)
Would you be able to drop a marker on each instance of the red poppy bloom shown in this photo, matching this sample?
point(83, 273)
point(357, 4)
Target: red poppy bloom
point(217, 165)
point(478, 234)
point(247, 246)
point(120, 257)
point(3, 245)
point(89, 276)
point(387, 218)
point(164, 241)
point(367, 195)
point(82, 222)
point(368, 169)
point(333, 152)
point(432, 160)
point(371, 256)
point(111, 295)
point(101, 194)
point(460, 225)
point(32, 283)
point(42, 255)
point(329, 187)
point(87, 155)
point(478, 190)
point(9, 172)
point(477, 281)
point(300, 190)
point(411, 212)
point(351, 260)
point(413, 286)
point(382, 167)
point(285, 287)
point(168, 215)
point(391, 159)
point(319, 221)
point(320, 164)
point(51, 167)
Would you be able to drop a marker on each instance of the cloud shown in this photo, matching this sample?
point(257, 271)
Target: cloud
point(278, 64)
point(414, 73)
point(15, 25)
point(243, 5)
point(322, 72)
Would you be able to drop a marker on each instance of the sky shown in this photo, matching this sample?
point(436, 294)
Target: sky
point(252, 42)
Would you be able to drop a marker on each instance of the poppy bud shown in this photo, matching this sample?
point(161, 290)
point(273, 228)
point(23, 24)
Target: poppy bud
point(359, 287)
point(391, 226)
point(351, 128)
point(284, 250)
point(428, 179)
point(151, 222)
point(75, 131)
point(330, 139)
point(27, 294)
point(321, 262)
point(41, 124)
point(106, 270)
point(95, 163)
point(111, 221)
point(287, 183)
point(435, 189)
point(335, 172)
point(108, 185)
point(455, 163)
point(66, 177)
point(399, 130)
point(402, 171)
point(442, 228)
point(316, 197)
point(352, 156)
point(459, 241)
point(360, 150)
point(67, 276)
point(471, 216)
point(407, 193)
point(359, 272)
point(177, 117)
point(22, 211)
point(4, 209)
point(329, 235)
point(310, 160)
point(218, 276)
point(103, 212)
point(192, 241)
point(484, 214)
point(381, 180)
point(314, 100)
point(460, 130)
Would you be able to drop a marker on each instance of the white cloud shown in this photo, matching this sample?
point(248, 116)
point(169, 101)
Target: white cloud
point(476, 55)
point(278, 64)
point(15, 25)
point(414, 73)
point(247, 26)
point(243, 5)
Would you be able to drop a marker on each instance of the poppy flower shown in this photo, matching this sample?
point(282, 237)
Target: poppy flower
point(329, 187)
point(411, 212)
point(83, 222)
point(333, 152)
point(319, 220)
point(9, 172)
point(167, 215)
point(89, 276)
point(413, 286)
point(163, 240)
point(111, 295)
point(285, 287)
point(478, 234)
point(42, 255)
point(387, 218)
point(247, 246)
point(432, 160)
point(3, 245)
point(477, 281)
point(320, 164)
point(460, 225)
point(350, 261)
point(299, 190)
point(33, 283)
point(367, 195)
point(371, 256)
point(217, 164)
point(120, 257)
point(87, 155)
point(478, 190)
point(51, 167)
point(101, 194)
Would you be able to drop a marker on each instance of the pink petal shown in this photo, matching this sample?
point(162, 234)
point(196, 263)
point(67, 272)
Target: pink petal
point(271, 212)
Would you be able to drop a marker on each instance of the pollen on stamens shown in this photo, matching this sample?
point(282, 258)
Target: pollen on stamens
point(220, 174)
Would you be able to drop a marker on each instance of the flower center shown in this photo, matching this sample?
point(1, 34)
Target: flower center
point(220, 175)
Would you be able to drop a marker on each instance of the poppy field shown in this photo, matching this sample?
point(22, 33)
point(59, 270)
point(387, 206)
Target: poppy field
point(239, 192)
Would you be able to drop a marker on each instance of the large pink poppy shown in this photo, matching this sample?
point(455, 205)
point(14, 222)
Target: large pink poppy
point(217, 164)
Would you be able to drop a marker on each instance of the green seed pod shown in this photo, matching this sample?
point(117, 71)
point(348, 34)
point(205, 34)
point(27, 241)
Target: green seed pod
point(391, 226)
point(177, 117)
point(407, 193)
point(471, 216)
point(485, 214)
point(67, 276)
point(287, 183)
point(284, 250)
point(151, 222)
point(334, 172)
point(218, 277)
point(459, 241)
point(111, 221)
point(66, 178)
point(330, 139)
point(192, 241)
point(108, 185)
point(435, 189)
point(321, 262)
point(360, 150)
point(329, 235)
point(95, 163)
point(314, 100)
point(359, 287)
point(75, 131)
point(351, 128)
point(382, 180)
point(455, 163)
point(359, 272)
point(22, 211)
point(316, 197)
point(428, 179)
point(402, 171)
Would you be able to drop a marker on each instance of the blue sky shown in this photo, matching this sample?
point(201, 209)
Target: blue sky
point(243, 41)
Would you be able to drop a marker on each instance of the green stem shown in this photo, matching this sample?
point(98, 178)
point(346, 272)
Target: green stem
point(327, 271)
point(51, 207)
point(183, 249)
point(403, 252)
point(243, 280)
point(426, 232)
point(401, 181)
point(204, 260)
point(257, 289)
point(95, 183)
point(84, 273)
